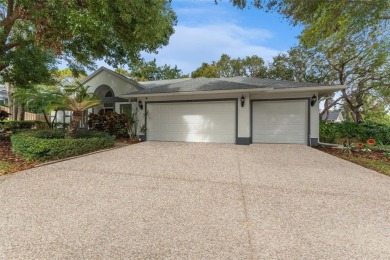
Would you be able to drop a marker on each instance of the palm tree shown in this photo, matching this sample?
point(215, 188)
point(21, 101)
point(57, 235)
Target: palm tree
point(77, 100)
point(39, 99)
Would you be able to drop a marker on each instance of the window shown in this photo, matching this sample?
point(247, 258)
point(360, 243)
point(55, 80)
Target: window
point(109, 94)
point(125, 108)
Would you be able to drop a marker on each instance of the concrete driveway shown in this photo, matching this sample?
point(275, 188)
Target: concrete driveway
point(198, 201)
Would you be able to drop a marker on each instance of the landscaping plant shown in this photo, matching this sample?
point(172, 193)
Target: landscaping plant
point(41, 145)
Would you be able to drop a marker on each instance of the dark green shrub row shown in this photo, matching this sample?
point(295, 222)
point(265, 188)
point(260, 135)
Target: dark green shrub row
point(112, 123)
point(28, 124)
point(44, 145)
point(330, 132)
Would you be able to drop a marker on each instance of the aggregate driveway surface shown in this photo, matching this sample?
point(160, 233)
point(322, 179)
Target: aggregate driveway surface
point(200, 201)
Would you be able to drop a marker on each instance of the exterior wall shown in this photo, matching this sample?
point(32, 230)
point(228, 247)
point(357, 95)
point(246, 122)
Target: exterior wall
point(244, 112)
point(118, 85)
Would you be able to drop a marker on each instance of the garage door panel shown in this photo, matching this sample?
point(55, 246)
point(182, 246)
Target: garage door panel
point(192, 122)
point(279, 121)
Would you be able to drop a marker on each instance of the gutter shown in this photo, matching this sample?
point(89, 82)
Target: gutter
point(325, 90)
point(198, 92)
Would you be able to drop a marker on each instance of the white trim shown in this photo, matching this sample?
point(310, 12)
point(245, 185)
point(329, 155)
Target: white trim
point(328, 89)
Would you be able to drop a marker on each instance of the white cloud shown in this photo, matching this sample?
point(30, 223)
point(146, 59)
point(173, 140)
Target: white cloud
point(192, 45)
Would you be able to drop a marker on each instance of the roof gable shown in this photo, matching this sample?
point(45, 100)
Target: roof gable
point(121, 77)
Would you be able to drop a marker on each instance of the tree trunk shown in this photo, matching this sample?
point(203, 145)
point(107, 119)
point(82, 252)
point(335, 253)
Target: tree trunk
point(20, 114)
point(74, 124)
point(11, 101)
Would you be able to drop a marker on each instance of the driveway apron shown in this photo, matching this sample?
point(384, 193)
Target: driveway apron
point(157, 200)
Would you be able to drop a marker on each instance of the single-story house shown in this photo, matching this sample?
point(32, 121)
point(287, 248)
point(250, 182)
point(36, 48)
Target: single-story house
point(240, 110)
point(333, 116)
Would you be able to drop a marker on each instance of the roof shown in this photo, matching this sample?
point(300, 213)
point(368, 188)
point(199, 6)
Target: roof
point(332, 116)
point(128, 80)
point(220, 84)
point(158, 83)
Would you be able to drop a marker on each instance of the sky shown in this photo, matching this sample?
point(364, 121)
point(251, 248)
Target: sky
point(206, 30)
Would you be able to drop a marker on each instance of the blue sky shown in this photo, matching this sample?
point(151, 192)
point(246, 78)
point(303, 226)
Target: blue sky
point(206, 30)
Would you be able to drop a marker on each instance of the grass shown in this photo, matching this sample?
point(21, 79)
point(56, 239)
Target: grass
point(6, 167)
point(376, 165)
point(375, 161)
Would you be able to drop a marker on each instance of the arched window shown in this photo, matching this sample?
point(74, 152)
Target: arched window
point(109, 94)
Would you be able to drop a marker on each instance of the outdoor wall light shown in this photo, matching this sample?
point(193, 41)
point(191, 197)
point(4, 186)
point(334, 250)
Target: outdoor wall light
point(140, 105)
point(242, 101)
point(313, 100)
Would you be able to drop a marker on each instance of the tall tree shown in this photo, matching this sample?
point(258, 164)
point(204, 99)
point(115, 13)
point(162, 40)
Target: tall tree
point(30, 65)
point(40, 99)
point(144, 71)
point(226, 67)
point(85, 30)
point(302, 65)
point(361, 62)
point(206, 70)
point(327, 18)
point(254, 66)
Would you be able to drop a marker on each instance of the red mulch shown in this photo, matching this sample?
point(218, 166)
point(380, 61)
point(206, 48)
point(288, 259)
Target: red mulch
point(7, 155)
point(374, 154)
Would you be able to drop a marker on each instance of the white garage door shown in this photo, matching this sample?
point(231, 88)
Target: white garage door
point(192, 122)
point(280, 121)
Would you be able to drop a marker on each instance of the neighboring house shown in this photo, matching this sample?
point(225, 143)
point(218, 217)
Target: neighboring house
point(334, 117)
point(238, 110)
point(3, 95)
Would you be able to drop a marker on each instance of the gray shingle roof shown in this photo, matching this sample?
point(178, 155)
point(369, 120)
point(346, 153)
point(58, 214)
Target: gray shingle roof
point(332, 116)
point(213, 84)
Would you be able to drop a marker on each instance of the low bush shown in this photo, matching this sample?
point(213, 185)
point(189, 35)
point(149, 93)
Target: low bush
point(41, 145)
point(15, 125)
point(112, 123)
point(330, 132)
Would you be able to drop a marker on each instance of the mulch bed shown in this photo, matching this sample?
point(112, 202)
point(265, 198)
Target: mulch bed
point(6, 155)
point(375, 159)
point(373, 155)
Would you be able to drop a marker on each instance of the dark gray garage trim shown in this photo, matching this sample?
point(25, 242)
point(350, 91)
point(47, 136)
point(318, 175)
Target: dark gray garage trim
point(143, 138)
point(281, 99)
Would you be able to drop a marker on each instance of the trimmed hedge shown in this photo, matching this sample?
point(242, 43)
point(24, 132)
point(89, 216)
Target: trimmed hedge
point(41, 145)
point(330, 132)
point(28, 124)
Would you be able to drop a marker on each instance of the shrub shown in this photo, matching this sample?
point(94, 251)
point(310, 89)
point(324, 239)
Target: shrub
point(3, 115)
point(112, 123)
point(47, 144)
point(329, 132)
point(15, 125)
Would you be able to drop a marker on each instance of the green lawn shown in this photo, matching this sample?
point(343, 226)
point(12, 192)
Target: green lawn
point(5, 167)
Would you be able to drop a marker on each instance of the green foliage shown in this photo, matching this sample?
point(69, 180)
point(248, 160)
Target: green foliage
point(301, 64)
point(30, 65)
point(83, 31)
point(77, 99)
point(16, 125)
point(3, 115)
point(144, 71)
point(206, 70)
point(112, 123)
point(329, 132)
point(41, 145)
point(225, 67)
point(327, 19)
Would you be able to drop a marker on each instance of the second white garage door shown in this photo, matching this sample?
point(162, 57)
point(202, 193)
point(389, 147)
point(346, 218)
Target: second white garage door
point(192, 122)
point(280, 121)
